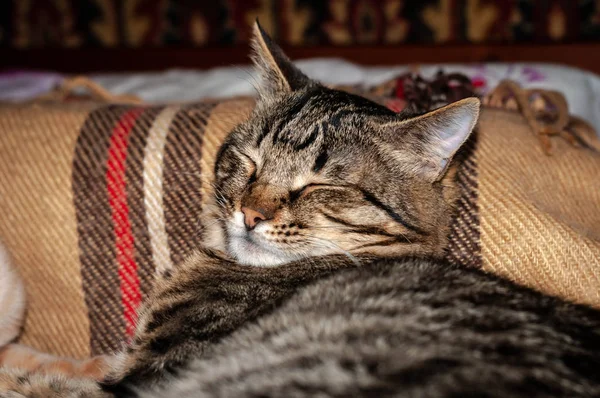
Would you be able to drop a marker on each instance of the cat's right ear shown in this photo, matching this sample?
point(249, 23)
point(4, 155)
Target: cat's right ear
point(426, 144)
point(278, 73)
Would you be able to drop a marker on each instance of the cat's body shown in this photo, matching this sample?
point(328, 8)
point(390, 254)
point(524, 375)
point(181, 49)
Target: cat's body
point(406, 327)
point(332, 215)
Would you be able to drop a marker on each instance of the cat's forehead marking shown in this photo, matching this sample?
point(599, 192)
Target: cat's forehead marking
point(307, 118)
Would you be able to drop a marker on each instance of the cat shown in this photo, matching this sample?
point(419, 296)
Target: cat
point(323, 275)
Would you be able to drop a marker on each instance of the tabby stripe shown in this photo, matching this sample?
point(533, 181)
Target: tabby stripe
point(292, 113)
point(117, 198)
point(153, 167)
point(385, 242)
point(359, 229)
point(335, 120)
point(309, 140)
point(369, 197)
point(263, 133)
point(182, 179)
point(99, 271)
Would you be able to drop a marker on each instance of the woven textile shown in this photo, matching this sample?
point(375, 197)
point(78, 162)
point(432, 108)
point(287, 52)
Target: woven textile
point(96, 198)
point(539, 217)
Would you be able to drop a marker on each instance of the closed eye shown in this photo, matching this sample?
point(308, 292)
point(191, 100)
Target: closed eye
point(253, 177)
point(313, 187)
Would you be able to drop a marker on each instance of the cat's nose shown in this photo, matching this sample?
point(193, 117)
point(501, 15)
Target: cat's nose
point(252, 217)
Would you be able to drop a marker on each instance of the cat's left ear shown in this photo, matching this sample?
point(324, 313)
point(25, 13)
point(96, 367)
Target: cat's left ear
point(426, 144)
point(278, 73)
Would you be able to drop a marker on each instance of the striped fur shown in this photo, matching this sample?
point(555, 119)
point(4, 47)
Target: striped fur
point(345, 294)
point(15, 383)
point(409, 327)
point(403, 328)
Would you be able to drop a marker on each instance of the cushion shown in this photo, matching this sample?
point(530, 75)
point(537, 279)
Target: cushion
point(96, 197)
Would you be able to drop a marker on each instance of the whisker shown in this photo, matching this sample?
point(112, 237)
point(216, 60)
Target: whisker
point(330, 227)
point(201, 227)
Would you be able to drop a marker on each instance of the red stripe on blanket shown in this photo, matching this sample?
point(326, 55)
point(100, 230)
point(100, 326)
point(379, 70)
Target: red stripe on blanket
point(117, 197)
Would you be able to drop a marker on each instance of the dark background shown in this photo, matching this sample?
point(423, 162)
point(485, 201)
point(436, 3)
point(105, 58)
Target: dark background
point(119, 35)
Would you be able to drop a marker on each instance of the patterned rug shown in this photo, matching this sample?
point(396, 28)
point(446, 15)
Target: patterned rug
point(185, 23)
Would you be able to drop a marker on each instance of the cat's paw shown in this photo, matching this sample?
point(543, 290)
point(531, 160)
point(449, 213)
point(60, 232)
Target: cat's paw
point(16, 383)
point(19, 357)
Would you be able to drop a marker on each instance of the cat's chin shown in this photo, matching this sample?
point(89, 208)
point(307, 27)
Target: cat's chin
point(247, 252)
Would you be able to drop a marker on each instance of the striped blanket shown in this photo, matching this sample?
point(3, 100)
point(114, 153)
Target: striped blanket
point(96, 198)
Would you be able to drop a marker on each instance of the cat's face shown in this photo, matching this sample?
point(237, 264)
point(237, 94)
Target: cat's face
point(316, 171)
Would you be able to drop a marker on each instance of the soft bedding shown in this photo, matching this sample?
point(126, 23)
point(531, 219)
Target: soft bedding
point(97, 197)
point(91, 186)
point(581, 88)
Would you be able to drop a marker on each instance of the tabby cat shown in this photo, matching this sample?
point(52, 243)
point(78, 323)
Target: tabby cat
point(323, 275)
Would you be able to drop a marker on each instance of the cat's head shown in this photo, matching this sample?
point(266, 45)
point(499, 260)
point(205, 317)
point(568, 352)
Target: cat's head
point(317, 171)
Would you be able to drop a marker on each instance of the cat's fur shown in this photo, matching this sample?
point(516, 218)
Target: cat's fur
point(410, 328)
point(346, 206)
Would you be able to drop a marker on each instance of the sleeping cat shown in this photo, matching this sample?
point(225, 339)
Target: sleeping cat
point(322, 275)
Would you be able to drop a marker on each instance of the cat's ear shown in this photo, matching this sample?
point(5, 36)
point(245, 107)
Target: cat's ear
point(429, 142)
point(278, 73)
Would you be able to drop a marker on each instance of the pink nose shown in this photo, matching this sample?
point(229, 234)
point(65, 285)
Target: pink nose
point(252, 217)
